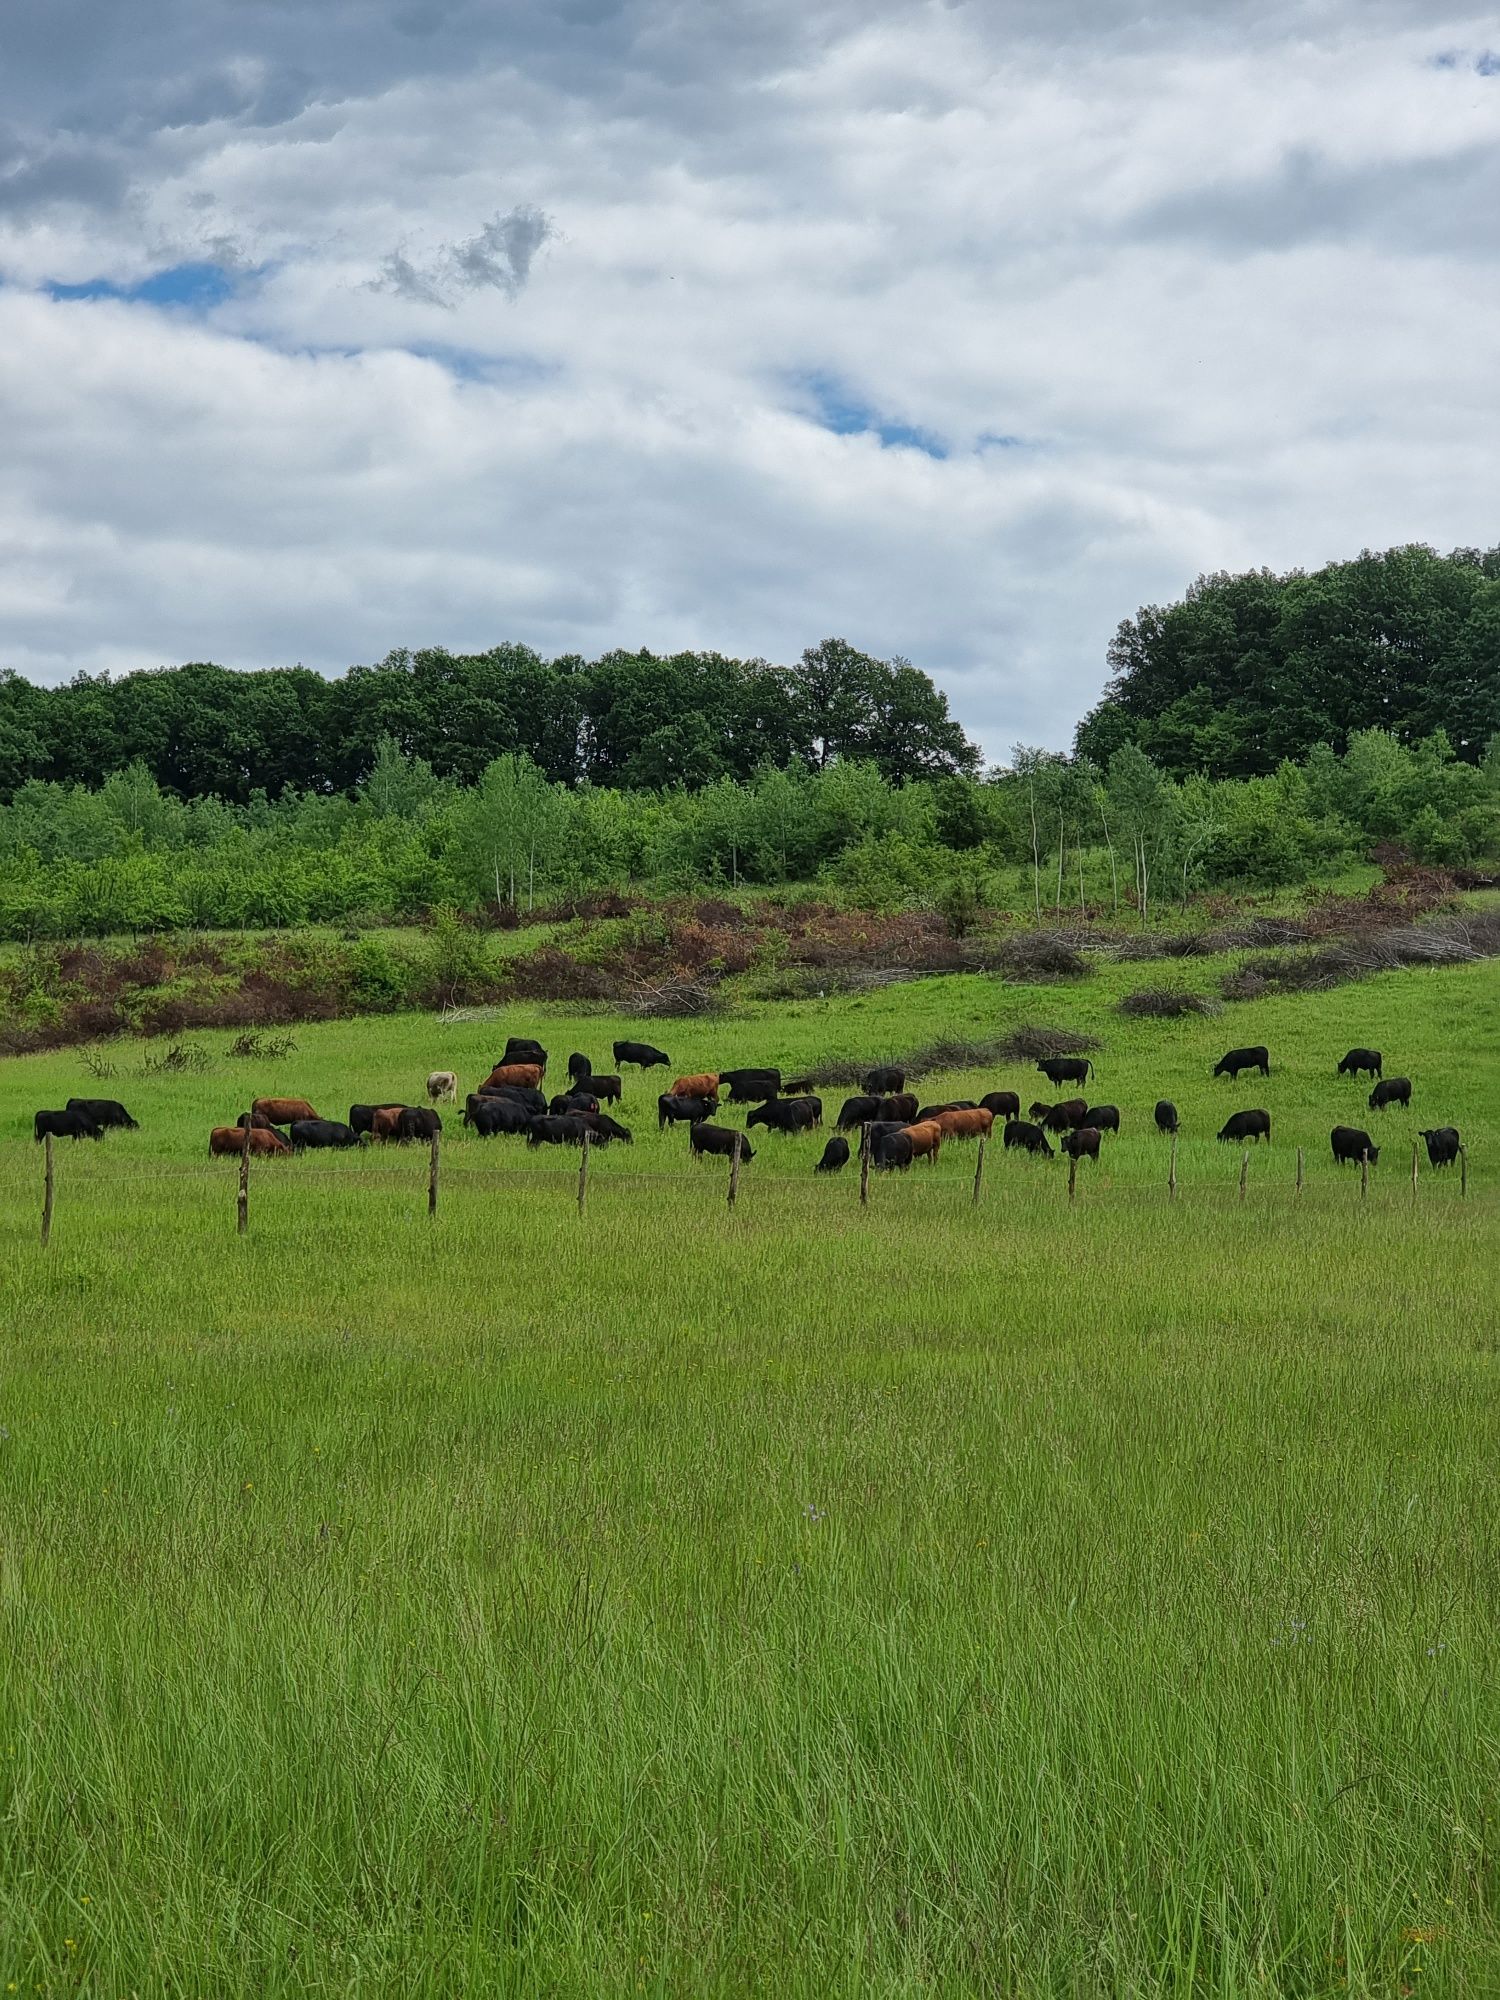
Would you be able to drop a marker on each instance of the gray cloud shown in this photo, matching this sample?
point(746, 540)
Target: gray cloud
point(498, 259)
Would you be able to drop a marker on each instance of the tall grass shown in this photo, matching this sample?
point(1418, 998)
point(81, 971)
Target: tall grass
point(929, 1600)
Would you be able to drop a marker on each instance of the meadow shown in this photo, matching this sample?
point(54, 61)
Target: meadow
point(935, 1598)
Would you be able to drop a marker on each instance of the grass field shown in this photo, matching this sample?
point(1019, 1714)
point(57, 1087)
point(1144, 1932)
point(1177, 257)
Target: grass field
point(937, 1599)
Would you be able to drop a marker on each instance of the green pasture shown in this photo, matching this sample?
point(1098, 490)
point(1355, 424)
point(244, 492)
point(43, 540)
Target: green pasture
point(1012, 1599)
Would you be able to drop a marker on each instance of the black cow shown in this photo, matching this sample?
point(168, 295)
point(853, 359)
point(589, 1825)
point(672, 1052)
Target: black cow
point(1166, 1115)
point(892, 1149)
point(534, 1101)
point(1103, 1117)
point(314, 1134)
point(641, 1054)
point(492, 1117)
point(681, 1110)
point(1064, 1117)
point(883, 1081)
point(1234, 1060)
point(65, 1125)
point(603, 1128)
point(417, 1122)
point(1082, 1144)
point(1443, 1144)
point(857, 1111)
point(786, 1114)
point(106, 1112)
point(573, 1100)
point(901, 1104)
point(579, 1067)
point(1029, 1138)
point(1248, 1125)
point(802, 1086)
point(1350, 1145)
point(1065, 1069)
point(706, 1138)
point(521, 1049)
point(835, 1155)
point(1360, 1059)
point(1001, 1103)
point(750, 1086)
point(556, 1131)
point(1394, 1090)
point(877, 1129)
point(361, 1116)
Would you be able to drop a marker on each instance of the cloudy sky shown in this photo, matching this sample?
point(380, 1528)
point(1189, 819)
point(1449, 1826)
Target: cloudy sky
point(959, 330)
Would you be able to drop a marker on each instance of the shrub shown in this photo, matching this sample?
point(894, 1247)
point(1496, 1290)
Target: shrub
point(1165, 1003)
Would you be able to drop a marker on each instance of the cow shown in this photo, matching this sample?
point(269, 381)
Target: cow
point(71, 1124)
point(1064, 1117)
point(706, 1138)
point(936, 1110)
point(362, 1116)
point(1065, 1069)
point(442, 1085)
point(1029, 1138)
point(893, 1149)
point(492, 1117)
point(802, 1086)
point(579, 1067)
point(417, 1122)
point(282, 1110)
point(706, 1085)
point(1082, 1144)
point(927, 1139)
point(1350, 1145)
point(856, 1111)
point(1001, 1103)
point(1360, 1059)
point(672, 1110)
point(556, 1131)
point(573, 1100)
point(1234, 1060)
point(974, 1124)
point(900, 1104)
point(881, 1082)
point(602, 1129)
point(641, 1054)
point(312, 1134)
point(1443, 1145)
point(1103, 1117)
point(751, 1086)
point(226, 1140)
point(1248, 1125)
point(788, 1114)
point(527, 1075)
point(1166, 1115)
point(1394, 1090)
point(521, 1049)
point(608, 1089)
point(257, 1121)
point(107, 1113)
point(835, 1156)
point(877, 1129)
point(534, 1101)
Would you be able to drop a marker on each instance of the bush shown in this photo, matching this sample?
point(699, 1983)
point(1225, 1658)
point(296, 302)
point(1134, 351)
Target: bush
point(1165, 1003)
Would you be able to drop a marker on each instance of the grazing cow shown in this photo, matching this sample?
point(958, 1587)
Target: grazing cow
point(492, 1117)
point(106, 1113)
point(894, 1149)
point(927, 1138)
point(311, 1134)
point(417, 1122)
point(257, 1121)
point(672, 1110)
point(602, 1129)
point(900, 1104)
point(282, 1110)
point(1103, 1117)
point(579, 1067)
point(1002, 1103)
point(528, 1076)
point(573, 1100)
point(857, 1111)
point(835, 1156)
point(697, 1086)
point(1350, 1145)
point(1065, 1069)
point(1248, 1125)
point(1360, 1059)
point(876, 1130)
point(1443, 1144)
point(641, 1054)
point(881, 1082)
point(1082, 1144)
point(70, 1124)
point(1067, 1116)
point(1166, 1115)
point(1029, 1138)
point(556, 1131)
point(521, 1049)
point(608, 1089)
point(1234, 1060)
point(362, 1116)
point(788, 1114)
point(1394, 1090)
point(974, 1124)
point(802, 1086)
point(750, 1086)
point(442, 1084)
point(533, 1100)
point(225, 1140)
point(936, 1110)
point(384, 1120)
point(706, 1138)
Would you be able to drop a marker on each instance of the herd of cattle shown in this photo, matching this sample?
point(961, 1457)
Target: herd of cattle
point(894, 1128)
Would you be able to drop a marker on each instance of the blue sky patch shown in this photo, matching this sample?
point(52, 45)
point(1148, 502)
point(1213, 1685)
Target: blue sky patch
point(198, 287)
point(838, 409)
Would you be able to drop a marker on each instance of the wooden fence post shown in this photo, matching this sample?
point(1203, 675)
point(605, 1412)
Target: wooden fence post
point(47, 1196)
point(1299, 1170)
point(1364, 1171)
point(1172, 1172)
point(1463, 1170)
point(979, 1169)
point(734, 1170)
point(244, 1200)
point(432, 1176)
point(1244, 1171)
point(864, 1165)
point(1072, 1174)
point(583, 1171)
point(1414, 1145)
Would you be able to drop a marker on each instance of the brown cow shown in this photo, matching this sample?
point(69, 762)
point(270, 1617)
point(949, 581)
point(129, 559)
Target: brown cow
point(527, 1075)
point(926, 1140)
point(1067, 1116)
point(965, 1124)
point(231, 1139)
point(282, 1110)
point(695, 1086)
point(385, 1120)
